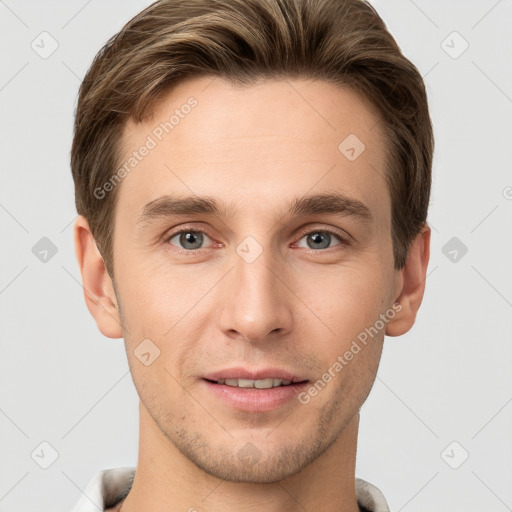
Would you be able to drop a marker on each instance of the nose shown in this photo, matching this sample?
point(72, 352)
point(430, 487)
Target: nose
point(256, 304)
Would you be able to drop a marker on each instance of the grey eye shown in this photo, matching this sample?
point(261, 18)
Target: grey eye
point(188, 239)
point(319, 239)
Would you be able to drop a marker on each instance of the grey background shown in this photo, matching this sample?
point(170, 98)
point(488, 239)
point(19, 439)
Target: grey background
point(448, 379)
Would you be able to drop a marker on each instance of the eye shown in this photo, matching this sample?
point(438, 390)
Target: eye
point(321, 239)
point(188, 239)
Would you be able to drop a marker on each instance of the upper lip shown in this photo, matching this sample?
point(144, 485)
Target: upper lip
point(255, 374)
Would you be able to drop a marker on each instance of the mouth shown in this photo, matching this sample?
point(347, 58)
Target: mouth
point(272, 382)
point(256, 391)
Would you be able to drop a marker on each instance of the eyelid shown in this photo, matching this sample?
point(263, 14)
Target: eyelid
point(342, 235)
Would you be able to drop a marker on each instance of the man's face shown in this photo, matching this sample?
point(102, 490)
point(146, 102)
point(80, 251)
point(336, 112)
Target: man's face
point(256, 287)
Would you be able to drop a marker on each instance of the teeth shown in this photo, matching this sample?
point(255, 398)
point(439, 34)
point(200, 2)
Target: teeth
point(259, 384)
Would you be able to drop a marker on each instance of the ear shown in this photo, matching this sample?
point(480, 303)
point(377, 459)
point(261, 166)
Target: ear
point(98, 289)
point(412, 276)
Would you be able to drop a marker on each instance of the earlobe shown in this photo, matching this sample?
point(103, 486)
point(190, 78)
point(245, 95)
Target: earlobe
point(413, 276)
point(98, 289)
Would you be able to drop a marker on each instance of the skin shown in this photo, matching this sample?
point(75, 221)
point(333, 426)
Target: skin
point(296, 306)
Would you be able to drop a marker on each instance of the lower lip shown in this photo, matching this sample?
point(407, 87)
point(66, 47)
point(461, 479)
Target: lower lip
point(255, 400)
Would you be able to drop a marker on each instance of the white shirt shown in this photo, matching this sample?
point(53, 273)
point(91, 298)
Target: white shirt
point(110, 486)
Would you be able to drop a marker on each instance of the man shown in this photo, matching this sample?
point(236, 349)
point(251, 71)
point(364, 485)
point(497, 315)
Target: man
point(252, 179)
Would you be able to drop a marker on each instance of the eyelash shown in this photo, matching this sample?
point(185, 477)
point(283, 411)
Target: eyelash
point(343, 240)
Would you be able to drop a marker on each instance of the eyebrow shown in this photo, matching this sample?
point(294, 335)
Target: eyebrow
point(330, 203)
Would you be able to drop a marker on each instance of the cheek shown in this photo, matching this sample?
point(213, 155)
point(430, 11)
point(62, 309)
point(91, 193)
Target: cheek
point(154, 297)
point(170, 308)
point(347, 300)
point(347, 341)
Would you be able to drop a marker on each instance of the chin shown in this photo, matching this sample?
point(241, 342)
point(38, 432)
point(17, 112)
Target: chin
point(254, 462)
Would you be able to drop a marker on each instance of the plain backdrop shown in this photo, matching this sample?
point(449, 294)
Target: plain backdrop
point(436, 430)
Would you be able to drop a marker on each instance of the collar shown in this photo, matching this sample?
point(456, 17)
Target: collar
point(110, 486)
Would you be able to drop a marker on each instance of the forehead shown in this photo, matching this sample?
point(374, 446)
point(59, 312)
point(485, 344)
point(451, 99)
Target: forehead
point(256, 145)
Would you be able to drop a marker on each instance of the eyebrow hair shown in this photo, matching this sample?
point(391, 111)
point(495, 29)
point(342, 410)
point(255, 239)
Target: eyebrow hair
point(330, 203)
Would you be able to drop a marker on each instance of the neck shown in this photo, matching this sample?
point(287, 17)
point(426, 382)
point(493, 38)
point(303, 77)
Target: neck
point(168, 481)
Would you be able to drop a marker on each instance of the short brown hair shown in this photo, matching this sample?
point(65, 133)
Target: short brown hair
point(342, 41)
